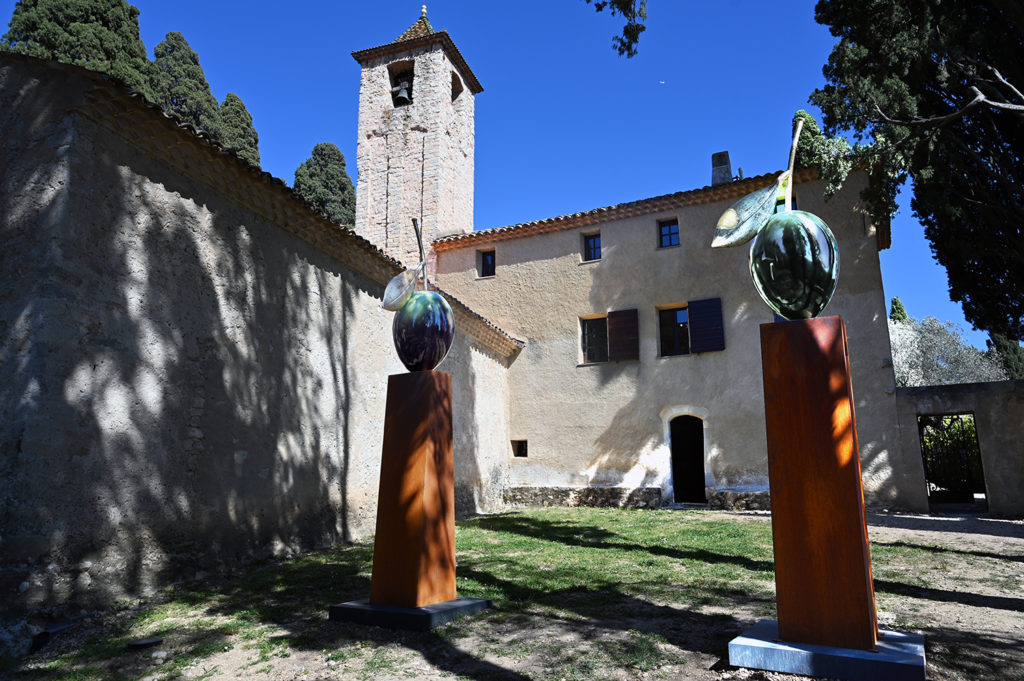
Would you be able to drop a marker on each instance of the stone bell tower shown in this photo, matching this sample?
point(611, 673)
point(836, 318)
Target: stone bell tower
point(415, 149)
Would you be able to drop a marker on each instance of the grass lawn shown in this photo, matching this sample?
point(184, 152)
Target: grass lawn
point(579, 594)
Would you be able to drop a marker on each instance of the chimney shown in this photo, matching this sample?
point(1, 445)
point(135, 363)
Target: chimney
point(721, 168)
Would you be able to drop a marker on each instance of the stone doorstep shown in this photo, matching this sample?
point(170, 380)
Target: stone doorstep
point(897, 657)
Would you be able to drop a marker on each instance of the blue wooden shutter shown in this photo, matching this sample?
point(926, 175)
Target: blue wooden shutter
point(707, 333)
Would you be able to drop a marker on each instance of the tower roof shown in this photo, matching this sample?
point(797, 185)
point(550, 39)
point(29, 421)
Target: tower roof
point(420, 28)
point(422, 34)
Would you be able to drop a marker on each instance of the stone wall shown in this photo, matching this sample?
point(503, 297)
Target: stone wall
point(188, 379)
point(998, 410)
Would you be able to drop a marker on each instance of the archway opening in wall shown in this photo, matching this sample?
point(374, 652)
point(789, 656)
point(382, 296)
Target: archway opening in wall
point(687, 443)
point(952, 463)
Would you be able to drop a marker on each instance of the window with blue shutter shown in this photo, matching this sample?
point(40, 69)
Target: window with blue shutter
point(707, 333)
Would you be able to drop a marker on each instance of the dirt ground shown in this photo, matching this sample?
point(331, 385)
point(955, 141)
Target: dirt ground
point(969, 604)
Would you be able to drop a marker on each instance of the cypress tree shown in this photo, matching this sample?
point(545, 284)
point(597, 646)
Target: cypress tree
point(102, 35)
point(236, 131)
point(322, 181)
point(898, 313)
point(1010, 353)
point(181, 87)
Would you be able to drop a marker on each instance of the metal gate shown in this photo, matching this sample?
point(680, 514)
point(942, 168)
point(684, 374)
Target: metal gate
point(952, 458)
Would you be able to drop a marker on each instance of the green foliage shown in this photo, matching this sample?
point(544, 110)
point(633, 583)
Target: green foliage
point(102, 35)
point(930, 352)
point(831, 155)
point(635, 13)
point(932, 93)
point(952, 458)
point(180, 85)
point(898, 313)
point(236, 130)
point(322, 181)
point(1010, 354)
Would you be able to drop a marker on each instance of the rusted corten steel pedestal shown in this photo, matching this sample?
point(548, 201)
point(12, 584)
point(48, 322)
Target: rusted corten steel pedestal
point(414, 549)
point(413, 581)
point(824, 591)
point(822, 564)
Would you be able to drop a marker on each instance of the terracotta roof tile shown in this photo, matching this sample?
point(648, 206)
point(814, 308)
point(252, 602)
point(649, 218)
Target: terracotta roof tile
point(419, 29)
point(732, 190)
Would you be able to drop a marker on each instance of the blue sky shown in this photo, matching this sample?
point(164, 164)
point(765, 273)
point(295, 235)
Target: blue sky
point(564, 124)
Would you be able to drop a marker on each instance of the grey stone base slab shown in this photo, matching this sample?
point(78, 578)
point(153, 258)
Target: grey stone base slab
point(398, 617)
point(898, 656)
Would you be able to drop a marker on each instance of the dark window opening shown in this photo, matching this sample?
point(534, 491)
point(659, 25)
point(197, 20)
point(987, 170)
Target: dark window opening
point(486, 263)
point(674, 325)
point(591, 247)
point(401, 74)
point(519, 449)
point(594, 340)
point(668, 233)
point(456, 86)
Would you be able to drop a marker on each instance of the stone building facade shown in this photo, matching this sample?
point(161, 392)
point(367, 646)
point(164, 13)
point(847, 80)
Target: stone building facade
point(618, 421)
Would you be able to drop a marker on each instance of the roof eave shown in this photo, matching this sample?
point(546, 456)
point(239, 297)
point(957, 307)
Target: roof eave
point(441, 37)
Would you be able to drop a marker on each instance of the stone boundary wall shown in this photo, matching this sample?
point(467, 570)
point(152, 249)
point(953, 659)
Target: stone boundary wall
point(193, 364)
point(998, 409)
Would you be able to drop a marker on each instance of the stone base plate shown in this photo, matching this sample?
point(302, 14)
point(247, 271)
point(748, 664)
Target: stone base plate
point(898, 656)
point(398, 617)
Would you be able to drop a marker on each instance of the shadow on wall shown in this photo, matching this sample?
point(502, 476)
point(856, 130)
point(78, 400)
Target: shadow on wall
point(182, 400)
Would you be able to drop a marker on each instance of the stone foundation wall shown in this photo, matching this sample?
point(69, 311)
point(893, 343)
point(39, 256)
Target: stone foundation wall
point(728, 500)
point(642, 497)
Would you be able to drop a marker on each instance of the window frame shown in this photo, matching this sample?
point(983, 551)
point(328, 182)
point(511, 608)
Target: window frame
point(585, 347)
point(481, 261)
point(678, 352)
point(668, 222)
point(587, 248)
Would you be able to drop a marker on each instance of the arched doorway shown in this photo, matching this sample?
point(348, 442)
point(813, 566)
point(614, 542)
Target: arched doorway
point(686, 435)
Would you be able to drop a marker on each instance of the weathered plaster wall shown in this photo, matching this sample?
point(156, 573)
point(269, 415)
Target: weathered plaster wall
point(607, 424)
point(184, 383)
point(414, 160)
point(998, 410)
point(480, 389)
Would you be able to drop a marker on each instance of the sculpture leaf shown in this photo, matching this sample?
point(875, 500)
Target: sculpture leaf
point(748, 216)
point(401, 287)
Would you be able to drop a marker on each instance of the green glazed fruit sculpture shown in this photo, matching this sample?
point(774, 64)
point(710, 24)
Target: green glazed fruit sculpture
point(794, 259)
point(423, 330)
point(794, 262)
point(424, 326)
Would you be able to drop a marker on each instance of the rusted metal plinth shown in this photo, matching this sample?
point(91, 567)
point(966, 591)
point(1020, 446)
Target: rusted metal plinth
point(823, 580)
point(414, 550)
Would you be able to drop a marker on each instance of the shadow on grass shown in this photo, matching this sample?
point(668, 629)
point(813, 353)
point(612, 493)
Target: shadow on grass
point(1016, 558)
point(928, 593)
point(965, 655)
point(592, 537)
point(294, 596)
point(973, 525)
